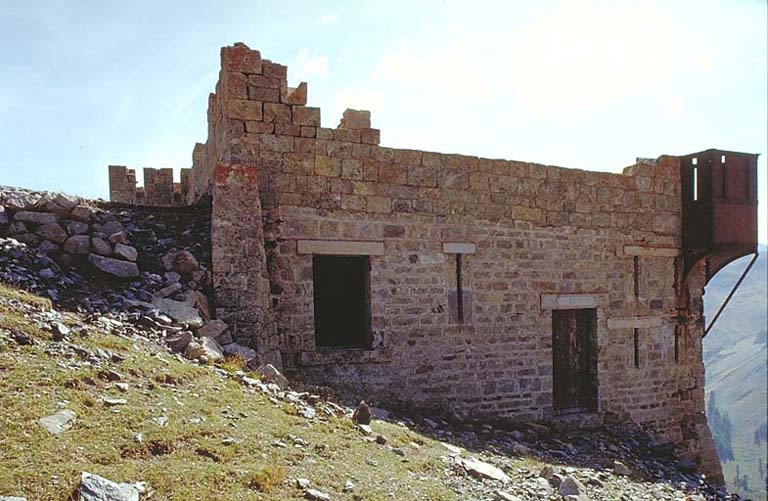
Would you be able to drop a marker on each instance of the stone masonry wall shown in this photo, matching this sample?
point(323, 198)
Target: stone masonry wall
point(544, 237)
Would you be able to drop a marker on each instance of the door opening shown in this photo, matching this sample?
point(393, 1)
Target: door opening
point(574, 351)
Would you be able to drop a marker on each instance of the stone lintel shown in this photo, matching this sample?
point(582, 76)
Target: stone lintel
point(639, 250)
point(568, 301)
point(341, 247)
point(458, 248)
point(345, 357)
point(634, 322)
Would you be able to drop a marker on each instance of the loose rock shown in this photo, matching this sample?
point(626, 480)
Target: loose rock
point(96, 488)
point(59, 422)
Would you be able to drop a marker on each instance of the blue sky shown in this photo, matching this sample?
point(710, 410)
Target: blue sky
point(584, 83)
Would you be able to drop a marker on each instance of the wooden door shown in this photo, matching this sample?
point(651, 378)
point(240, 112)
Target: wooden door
point(574, 351)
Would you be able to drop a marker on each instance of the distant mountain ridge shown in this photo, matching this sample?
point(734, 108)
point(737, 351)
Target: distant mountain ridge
point(735, 357)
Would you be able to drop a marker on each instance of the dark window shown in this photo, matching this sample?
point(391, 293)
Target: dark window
point(636, 341)
point(342, 305)
point(636, 274)
point(459, 291)
point(574, 352)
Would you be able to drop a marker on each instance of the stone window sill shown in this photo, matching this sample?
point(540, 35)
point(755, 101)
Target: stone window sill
point(341, 356)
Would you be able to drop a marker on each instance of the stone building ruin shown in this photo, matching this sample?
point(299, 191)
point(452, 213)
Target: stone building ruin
point(472, 286)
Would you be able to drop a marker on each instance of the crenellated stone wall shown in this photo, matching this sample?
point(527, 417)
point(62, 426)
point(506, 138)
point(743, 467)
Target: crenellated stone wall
point(159, 188)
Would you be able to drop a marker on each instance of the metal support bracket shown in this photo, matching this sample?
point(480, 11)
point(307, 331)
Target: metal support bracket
point(733, 291)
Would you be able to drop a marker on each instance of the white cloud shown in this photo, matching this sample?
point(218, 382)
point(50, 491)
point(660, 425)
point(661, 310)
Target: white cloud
point(307, 65)
point(675, 106)
point(582, 53)
point(358, 99)
point(329, 19)
point(578, 55)
point(453, 71)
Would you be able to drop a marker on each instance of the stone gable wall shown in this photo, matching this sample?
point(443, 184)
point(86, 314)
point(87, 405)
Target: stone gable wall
point(543, 236)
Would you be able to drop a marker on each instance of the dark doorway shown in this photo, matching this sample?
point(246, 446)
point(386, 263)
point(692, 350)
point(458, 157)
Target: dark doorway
point(342, 302)
point(574, 351)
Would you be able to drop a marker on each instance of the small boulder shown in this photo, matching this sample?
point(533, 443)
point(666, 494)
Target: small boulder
point(64, 202)
point(96, 488)
point(213, 350)
point(193, 350)
point(60, 331)
point(270, 374)
point(115, 267)
point(47, 247)
point(4, 218)
point(78, 244)
point(478, 468)
point(199, 301)
point(36, 217)
point(178, 341)
point(81, 213)
point(316, 495)
point(620, 468)
point(118, 237)
point(17, 228)
point(169, 290)
point(182, 262)
point(240, 351)
point(76, 227)
point(52, 232)
point(205, 347)
point(29, 239)
point(111, 227)
point(101, 246)
point(179, 311)
point(212, 328)
point(362, 414)
point(58, 423)
point(126, 252)
point(571, 486)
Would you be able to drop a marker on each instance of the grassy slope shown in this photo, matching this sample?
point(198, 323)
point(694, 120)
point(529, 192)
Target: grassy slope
point(183, 460)
point(735, 358)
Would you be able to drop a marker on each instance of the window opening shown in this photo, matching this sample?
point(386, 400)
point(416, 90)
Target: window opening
point(677, 344)
point(459, 291)
point(695, 182)
point(342, 301)
point(636, 274)
point(637, 347)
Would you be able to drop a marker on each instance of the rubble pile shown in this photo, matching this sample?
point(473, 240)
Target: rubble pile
point(69, 231)
point(134, 265)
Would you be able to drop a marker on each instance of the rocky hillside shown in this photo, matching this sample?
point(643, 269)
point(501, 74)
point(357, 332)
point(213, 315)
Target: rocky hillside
point(735, 354)
point(127, 387)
